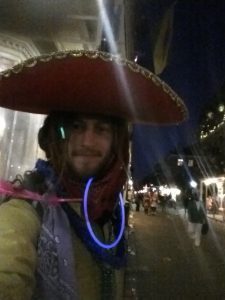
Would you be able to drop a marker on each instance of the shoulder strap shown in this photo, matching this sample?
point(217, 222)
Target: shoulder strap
point(32, 181)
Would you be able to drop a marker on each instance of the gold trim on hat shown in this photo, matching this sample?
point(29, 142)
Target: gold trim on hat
point(108, 57)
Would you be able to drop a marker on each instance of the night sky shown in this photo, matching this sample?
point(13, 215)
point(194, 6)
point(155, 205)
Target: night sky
point(195, 70)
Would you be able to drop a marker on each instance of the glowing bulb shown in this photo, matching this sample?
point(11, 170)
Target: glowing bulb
point(221, 108)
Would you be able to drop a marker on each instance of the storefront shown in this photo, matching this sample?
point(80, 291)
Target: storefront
point(212, 191)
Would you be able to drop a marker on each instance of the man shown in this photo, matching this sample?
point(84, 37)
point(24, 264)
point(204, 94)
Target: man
point(196, 217)
point(52, 246)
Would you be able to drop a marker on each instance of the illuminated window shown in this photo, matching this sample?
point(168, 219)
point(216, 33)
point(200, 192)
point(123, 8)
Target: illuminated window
point(190, 163)
point(180, 162)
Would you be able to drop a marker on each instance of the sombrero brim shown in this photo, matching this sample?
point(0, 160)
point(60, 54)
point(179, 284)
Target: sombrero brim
point(90, 82)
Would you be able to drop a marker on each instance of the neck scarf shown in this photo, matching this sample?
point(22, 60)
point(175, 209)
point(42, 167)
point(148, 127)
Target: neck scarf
point(103, 194)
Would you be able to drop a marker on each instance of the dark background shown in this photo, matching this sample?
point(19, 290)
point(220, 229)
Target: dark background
point(195, 70)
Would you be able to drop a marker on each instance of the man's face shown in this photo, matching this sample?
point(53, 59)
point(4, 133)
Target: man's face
point(89, 146)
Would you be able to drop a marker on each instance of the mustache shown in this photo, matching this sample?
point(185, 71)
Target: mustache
point(86, 152)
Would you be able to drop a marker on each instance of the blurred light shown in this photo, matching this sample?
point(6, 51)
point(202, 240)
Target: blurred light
point(209, 181)
point(145, 189)
point(212, 180)
point(130, 182)
point(180, 162)
point(221, 108)
point(114, 49)
point(210, 115)
point(193, 184)
point(174, 191)
point(5, 64)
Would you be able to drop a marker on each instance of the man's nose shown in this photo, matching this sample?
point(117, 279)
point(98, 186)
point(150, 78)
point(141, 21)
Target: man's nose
point(88, 137)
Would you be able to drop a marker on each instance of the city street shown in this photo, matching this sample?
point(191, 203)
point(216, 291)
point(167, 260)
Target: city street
point(164, 264)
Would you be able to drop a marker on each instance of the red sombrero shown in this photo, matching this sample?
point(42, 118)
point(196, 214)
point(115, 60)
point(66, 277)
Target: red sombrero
point(90, 82)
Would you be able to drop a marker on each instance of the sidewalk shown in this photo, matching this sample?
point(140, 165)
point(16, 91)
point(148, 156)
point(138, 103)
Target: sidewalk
point(180, 211)
point(130, 291)
point(216, 217)
point(163, 263)
point(131, 273)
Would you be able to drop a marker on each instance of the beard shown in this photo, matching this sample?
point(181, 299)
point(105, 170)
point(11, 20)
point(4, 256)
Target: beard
point(86, 164)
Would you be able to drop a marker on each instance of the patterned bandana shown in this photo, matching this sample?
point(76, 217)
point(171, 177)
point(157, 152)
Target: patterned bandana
point(55, 273)
point(56, 278)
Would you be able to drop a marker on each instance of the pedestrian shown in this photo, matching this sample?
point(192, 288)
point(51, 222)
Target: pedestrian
point(185, 200)
point(196, 217)
point(162, 201)
point(138, 200)
point(153, 202)
point(61, 231)
point(146, 202)
point(223, 208)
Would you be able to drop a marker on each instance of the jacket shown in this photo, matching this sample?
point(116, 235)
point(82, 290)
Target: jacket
point(195, 214)
point(20, 227)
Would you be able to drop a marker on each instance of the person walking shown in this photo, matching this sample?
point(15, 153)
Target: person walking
point(196, 218)
point(146, 202)
point(153, 202)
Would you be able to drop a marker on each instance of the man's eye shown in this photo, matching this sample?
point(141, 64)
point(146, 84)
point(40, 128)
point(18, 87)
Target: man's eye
point(104, 128)
point(77, 126)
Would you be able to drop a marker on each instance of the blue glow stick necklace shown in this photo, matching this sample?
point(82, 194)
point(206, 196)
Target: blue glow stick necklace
point(113, 244)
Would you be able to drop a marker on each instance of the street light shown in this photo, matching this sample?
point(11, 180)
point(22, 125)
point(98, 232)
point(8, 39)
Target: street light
point(193, 184)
